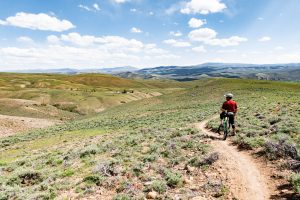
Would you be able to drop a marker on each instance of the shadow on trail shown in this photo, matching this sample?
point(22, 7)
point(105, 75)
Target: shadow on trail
point(285, 195)
point(213, 137)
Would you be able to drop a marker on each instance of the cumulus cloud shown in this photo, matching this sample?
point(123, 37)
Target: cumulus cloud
point(209, 36)
point(82, 51)
point(202, 34)
point(135, 30)
point(39, 21)
point(264, 39)
point(196, 23)
point(203, 7)
point(199, 49)
point(115, 43)
point(176, 43)
point(176, 33)
point(106, 43)
point(24, 39)
point(53, 39)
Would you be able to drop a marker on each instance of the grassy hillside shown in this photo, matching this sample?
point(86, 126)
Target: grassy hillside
point(148, 145)
point(71, 96)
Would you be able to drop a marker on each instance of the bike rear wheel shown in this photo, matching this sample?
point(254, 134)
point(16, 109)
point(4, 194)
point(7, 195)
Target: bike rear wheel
point(225, 134)
point(226, 129)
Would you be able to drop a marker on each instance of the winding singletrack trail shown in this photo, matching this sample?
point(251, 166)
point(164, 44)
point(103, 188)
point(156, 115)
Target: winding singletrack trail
point(243, 175)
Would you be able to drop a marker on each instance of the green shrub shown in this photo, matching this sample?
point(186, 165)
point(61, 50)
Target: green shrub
point(2, 163)
point(122, 197)
point(137, 169)
point(94, 179)
point(159, 186)
point(88, 152)
point(68, 173)
point(26, 178)
point(295, 181)
point(149, 158)
point(173, 179)
point(250, 142)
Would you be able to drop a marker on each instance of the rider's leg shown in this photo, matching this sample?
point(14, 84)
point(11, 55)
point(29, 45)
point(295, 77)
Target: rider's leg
point(231, 119)
point(222, 116)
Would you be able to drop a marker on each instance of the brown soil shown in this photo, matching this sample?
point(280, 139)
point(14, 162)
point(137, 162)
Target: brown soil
point(10, 125)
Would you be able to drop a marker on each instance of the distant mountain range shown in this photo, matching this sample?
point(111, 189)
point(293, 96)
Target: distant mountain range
point(78, 71)
point(284, 72)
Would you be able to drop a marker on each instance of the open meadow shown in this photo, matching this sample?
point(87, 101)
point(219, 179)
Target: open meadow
point(148, 145)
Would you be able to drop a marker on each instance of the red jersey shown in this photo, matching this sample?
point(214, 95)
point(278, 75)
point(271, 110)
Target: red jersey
point(230, 106)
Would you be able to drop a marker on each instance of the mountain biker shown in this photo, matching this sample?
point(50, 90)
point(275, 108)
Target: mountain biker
point(229, 108)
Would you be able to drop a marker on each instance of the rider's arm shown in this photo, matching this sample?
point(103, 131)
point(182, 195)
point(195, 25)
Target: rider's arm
point(223, 107)
point(236, 109)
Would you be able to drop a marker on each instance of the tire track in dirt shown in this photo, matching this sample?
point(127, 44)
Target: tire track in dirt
point(241, 172)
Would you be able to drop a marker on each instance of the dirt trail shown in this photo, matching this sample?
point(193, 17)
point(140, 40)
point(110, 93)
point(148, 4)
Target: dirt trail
point(244, 176)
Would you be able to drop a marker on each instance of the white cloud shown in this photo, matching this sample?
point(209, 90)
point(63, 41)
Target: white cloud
point(264, 39)
point(209, 36)
point(77, 39)
point(202, 34)
point(203, 7)
point(96, 6)
point(176, 34)
point(106, 43)
point(135, 30)
point(279, 48)
point(199, 49)
point(84, 7)
point(231, 41)
point(39, 21)
point(53, 39)
point(2, 22)
point(84, 51)
point(225, 51)
point(133, 10)
point(196, 23)
point(119, 1)
point(24, 39)
point(151, 13)
point(260, 18)
point(176, 43)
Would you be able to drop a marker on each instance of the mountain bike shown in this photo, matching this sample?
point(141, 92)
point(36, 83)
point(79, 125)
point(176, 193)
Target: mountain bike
point(225, 125)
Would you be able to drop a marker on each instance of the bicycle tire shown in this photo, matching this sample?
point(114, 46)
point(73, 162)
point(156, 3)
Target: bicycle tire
point(225, 134)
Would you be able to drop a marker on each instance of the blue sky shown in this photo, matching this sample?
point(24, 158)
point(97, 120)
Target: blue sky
point(146, 33)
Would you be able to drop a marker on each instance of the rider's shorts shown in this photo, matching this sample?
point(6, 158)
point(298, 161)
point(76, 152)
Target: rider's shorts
point(230, 116)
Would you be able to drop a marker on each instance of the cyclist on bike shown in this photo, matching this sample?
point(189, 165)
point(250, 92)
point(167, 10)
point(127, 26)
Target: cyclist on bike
point(229, 108)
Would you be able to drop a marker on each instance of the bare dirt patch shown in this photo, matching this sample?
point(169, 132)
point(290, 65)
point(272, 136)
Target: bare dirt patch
point(10, 125)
